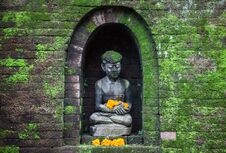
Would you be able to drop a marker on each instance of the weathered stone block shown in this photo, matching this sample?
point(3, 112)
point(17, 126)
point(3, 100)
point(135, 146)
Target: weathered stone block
point(110, 130)
point(72, 141)
point(135, 139)
point(51, 134)
point(72, 118)
point(35, 150)
point(72, 86)
point(50, 127)
point(41, 142)
point(87, 139)
point(72, 101)
point(72, 133)
point(72, 93)
point(71, 125)
point(5, 142)
point(72, 78)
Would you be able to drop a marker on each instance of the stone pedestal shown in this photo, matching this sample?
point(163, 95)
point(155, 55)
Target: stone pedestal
point(109, 130)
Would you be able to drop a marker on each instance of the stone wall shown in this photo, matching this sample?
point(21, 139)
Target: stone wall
point(190, 42)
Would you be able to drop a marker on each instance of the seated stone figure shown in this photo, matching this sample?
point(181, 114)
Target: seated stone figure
point(114, 121)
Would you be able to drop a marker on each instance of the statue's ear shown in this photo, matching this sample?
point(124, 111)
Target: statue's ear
point(103, 67)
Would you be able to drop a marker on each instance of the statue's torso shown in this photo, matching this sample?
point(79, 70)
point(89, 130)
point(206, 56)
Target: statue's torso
point(113, 90)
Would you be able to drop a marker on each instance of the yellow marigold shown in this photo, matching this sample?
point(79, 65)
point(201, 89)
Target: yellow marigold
point(126, 105)
point(114, 143)
point(96, 142)
point(118, 142)
point(112, 103)
point(106, 142)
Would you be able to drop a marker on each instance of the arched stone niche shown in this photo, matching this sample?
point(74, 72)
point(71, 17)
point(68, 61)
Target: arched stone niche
point(112, 36)
point(123, 30)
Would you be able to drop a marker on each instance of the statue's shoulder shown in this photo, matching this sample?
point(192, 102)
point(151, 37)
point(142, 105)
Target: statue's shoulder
point(125, 82)
point(99, 82)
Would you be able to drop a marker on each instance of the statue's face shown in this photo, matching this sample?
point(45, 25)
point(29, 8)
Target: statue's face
point(112, 70)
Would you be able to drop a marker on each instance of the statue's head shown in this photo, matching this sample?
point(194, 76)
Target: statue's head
point(111, 63)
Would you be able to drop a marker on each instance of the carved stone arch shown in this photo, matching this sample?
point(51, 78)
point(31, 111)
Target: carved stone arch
point(136, 27)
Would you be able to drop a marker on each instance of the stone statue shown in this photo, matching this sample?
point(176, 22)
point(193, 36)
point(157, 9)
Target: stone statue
point(111, 121)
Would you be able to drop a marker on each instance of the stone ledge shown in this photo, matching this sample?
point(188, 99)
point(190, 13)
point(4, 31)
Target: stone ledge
point(93, 149)
point(131, 139)
point(124, 149)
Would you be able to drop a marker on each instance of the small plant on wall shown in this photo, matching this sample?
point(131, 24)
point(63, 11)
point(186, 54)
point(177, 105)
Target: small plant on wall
point(30, 132)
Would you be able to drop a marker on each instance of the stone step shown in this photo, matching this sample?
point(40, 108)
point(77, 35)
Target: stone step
point(124, 149)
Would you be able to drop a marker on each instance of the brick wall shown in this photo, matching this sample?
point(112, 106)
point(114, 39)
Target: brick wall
point(190, 43)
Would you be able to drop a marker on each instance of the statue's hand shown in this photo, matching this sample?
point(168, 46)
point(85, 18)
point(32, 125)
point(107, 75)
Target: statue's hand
point(119, 109)
point(104, 108)
point(127, 109)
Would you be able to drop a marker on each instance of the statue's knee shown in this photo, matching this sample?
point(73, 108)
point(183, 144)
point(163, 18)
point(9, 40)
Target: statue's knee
point(93, 117)
point(128, 120)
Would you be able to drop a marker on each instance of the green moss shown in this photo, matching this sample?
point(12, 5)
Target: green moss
point(42, 49)
point(9, 32)
point(52, 87)
point(53, 90)
point(191, 119)
point(70, 71)
point(111, 56)
point(171, 150)
point(41, 52)
point(171, 24)
point(22, 75)
point(82, 2)
point(69, 110)
point(59, 43)
point(176, 108)
point(19, 18)
point(38, 16)
point(9, 62)
point(5, 133)
point(91, 27)
point(9, 149)
point(68, 126)
point(30, 132)
point(19, 49)
point(59, 112)
point(194, 141)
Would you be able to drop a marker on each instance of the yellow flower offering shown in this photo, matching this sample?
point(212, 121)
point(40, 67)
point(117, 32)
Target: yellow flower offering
point(96, 142)
point(126, 105)
point(106, 142)
point(112, 103)
point(118, 142)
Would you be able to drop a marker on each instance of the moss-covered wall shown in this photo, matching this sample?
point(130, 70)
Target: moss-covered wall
point(190, 41)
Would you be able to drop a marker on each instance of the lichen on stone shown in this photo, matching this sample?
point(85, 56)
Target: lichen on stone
point(111, 56)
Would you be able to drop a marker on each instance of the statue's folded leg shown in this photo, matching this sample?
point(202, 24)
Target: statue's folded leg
point(125, 119)
point(97, 118)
